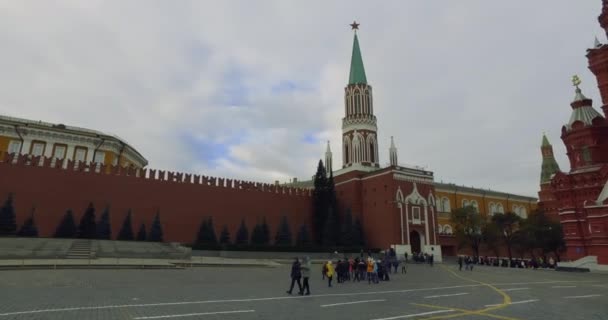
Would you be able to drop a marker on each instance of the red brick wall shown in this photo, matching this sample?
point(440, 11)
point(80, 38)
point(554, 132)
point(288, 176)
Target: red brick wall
point(182, 205)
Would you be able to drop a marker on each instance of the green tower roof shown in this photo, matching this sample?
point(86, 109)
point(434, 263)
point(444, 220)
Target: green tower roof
point(357, 71)
point(545, 141)
point(549, 166)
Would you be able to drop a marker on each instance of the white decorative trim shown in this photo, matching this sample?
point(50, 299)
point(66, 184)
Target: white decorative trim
point(413, 178)
point(573, 220)
point(596, 216)
point(415, 197)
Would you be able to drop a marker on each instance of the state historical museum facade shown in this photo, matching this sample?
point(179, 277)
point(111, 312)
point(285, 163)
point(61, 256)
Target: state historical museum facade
point(579, 198)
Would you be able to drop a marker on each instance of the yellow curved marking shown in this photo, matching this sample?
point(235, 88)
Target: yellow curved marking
point(482, 312)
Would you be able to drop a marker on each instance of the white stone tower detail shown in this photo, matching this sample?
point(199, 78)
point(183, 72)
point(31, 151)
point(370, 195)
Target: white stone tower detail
point(328, 160)
point(359, 129)
point(393, 153)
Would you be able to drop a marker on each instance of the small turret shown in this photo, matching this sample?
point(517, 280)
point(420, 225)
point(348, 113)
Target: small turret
point(328, 160)
point(549, 166)
point(393, 154)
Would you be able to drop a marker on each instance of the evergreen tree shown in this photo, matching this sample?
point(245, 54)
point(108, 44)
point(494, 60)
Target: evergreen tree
point(283, 237)
point(88, 228)
point(332, 202)
point(358, 236)
point(67, 226)
point(346, 230)
point(141, 234)
point(242, 235)
point(8, 225)
point(303, 238)
point(264, 232)
point(206, 233)
point(104, 229)
point(126, 231)
point(329, 234)
point(156, 230)
point(320, 202)
point(28, 229)
point(257, 238)
point(225, 236)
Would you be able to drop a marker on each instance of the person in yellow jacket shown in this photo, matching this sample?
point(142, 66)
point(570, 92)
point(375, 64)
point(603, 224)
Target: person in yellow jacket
point(330, 272)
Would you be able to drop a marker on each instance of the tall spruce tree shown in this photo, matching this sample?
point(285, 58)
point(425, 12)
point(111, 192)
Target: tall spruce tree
point(257, 238)
point(156, 230)
point(283, 236)
point(206, 233)
point(242, 235)
point(303, 238)
point(67, 226)
point(330, 236)
point(319, 202)
point(104, 229)
point(225, 235)
point(141, 234)
point(29, 229)
point(126, 231)
point(346, 230)
point(8, 225)
point(88, 227)
point(358, 237)
point(264, 232)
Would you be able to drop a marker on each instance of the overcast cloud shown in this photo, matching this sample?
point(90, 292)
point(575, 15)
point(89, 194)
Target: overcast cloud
point(253, 89)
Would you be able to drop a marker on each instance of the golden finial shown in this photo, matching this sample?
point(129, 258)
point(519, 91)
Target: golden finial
point(576, 81)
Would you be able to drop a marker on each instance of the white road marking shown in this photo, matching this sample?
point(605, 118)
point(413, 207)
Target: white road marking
point(517, 302)
point(561, 287)
point(143, 305)
point(352, 302)
point(273, 298)
point(447, 295)
point(514, 289)
point(416, 315)
point(580, 297)
point(194, 314)
point(600, 285)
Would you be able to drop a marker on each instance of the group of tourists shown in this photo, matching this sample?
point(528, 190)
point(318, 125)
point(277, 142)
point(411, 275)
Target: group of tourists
point(535, 263)
point(348, 269)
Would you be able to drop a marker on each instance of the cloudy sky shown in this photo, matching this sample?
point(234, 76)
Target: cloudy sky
point(253, 89)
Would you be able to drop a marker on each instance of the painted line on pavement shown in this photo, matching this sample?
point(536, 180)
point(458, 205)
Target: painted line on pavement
point(447, 295)
point(415, 315)
point(271, 298)
point(580, 297)
point(515, 289)
point(194, 314)
point(561, 287)
point(352, 302)
point(517, 302)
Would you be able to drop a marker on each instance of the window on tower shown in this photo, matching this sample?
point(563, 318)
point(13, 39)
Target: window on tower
point(371, 152)
point(357, 101)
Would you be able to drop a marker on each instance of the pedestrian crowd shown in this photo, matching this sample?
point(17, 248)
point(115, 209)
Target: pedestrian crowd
point(351, 269)
point(535, 263)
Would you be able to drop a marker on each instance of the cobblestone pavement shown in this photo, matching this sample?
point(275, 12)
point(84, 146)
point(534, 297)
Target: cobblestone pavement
point(439, 292)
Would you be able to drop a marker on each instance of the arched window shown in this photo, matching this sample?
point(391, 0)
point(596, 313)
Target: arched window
point(439, 229)
point(465, 203)
point(357, 101)
point(368, 97)
point(440, 206)
point(446, 204)
point(500, 208)
point(492, 208)
point(475, 205)
point(524, 213)
point(347, 151)
point(371, 152)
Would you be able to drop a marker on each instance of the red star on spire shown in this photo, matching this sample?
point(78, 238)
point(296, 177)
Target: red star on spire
point(354, 25)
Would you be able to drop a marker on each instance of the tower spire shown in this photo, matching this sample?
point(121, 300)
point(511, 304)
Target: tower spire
point(328, 160)
point(393, 153)
point(549, 166)
point(357, 71)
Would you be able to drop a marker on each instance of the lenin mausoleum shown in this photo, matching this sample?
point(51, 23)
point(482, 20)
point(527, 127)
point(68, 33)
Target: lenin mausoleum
point(55, 167)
